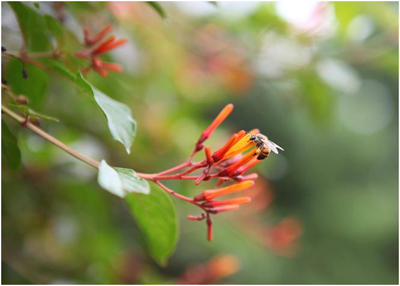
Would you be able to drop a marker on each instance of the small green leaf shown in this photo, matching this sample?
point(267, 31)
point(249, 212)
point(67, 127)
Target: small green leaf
point(156, 217)
point(28, 111)
point(121, 181)
point(156, 6)
point(131, 182)
point(120, 122)
point(36, 4)
point(9, 147)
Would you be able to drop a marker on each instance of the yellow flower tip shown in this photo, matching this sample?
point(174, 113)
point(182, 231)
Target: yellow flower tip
point(241, 146)
point(209, 195)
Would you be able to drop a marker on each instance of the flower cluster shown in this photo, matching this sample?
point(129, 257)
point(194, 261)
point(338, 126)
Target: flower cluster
point(231, 163)
point(94, 48)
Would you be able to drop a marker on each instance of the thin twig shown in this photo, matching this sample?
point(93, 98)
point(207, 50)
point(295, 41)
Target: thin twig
point(51, 139)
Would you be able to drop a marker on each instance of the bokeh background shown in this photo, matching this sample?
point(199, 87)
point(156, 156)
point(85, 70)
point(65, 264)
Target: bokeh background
point(320, 79)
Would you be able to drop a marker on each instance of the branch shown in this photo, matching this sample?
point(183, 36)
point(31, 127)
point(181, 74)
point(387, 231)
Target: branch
point(50, 138)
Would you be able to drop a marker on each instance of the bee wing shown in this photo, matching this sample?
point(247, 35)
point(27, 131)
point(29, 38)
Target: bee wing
point(274, 147)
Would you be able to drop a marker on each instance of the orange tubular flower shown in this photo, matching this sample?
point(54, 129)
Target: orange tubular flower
point(217, 121)
point(236, 201)
point(224, 209)
point(251, 176)
point(98, 37)
point(218, 155)
point(245, 159)
point(109, 45)
point(207, 151)
point(92, 54)
point(212, 194)
point(242, 145)
point(246, 167)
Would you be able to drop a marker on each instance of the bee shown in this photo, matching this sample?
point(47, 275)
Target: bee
point(264, 145)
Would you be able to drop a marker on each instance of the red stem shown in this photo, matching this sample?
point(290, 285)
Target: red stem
point(171, 192)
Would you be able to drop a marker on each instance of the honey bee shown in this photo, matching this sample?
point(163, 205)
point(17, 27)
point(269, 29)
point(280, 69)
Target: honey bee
point(264, 145)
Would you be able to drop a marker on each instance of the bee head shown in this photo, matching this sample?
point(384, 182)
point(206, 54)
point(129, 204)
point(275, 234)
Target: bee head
point(252, 137)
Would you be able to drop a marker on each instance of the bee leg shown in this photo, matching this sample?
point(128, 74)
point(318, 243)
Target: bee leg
point(257, 152)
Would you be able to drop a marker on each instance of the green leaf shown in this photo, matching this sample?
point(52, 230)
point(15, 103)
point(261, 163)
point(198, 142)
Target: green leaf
point(131, 182)
point(55, 28)
point(121, 181)
point(28, 111)
point(60, 68)
point(9, 147)
point(83, 84)
point(36, 4)
point(33, 26)
point(120, 122)
point(34, 87)
point(156, 6)
point(156, 217)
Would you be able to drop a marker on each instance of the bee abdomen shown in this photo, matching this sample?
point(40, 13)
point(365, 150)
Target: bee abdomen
point(263, 155)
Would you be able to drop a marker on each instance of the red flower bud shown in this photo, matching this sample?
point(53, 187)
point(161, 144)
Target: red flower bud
point(196, 217)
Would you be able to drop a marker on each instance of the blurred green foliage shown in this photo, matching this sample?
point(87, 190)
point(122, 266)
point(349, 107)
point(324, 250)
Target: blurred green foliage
point(321, 81)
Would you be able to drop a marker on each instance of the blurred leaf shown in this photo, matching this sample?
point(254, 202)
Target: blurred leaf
point(36, 4)
point(156, 216)
point(28, 111)
point(55, 28)
point(60, 68)
point(9, 147)
point(213, 3)
point(156, 6)
point(33, 26)
point(316, 96)
point(121, 181)
point(120, 122)
point(82, 83)
point(33, 87)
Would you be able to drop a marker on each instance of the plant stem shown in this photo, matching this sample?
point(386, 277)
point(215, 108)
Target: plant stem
point(50, 138)
point(171, 192)
point(17, 54)
point(96, 164)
